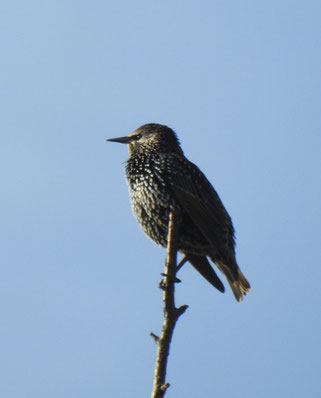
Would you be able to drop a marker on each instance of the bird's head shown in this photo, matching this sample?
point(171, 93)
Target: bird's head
point(149, 138)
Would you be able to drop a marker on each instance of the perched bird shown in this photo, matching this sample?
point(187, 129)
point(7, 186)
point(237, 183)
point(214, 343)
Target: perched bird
point(161, 180)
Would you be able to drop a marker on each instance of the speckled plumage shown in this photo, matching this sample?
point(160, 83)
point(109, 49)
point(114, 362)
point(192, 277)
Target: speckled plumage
point(162, 180)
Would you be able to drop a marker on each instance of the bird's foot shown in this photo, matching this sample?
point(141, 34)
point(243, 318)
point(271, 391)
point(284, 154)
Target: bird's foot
point(163, 285)
point(181, 263)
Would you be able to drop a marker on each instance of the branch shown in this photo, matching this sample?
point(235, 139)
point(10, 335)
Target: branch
point(171, 313)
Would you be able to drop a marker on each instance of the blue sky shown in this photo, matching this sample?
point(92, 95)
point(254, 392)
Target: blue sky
point(240, 83)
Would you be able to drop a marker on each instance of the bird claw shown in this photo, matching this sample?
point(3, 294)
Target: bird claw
point(162, 285)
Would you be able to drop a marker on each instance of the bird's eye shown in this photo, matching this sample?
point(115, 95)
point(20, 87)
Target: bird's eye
point(137, 137)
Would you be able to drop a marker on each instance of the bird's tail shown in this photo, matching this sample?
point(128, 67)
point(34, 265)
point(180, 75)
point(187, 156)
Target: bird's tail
point(239, 284)
point(205, 269)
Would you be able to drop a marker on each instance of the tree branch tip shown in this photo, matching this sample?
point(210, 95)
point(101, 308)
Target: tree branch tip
point(171, 313)
point(162, 285)
point(182, 309)
point(164, 387)
point(155, 337)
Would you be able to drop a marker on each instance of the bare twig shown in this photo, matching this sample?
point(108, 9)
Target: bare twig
point(171, 313)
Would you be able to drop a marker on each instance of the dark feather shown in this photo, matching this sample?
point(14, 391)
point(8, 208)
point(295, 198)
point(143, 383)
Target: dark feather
point(203, 205)
point(201, 264)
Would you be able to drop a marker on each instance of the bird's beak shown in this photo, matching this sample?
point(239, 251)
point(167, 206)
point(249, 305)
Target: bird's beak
point(122, 140)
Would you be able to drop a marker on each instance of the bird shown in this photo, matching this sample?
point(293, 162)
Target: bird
point(162, 180)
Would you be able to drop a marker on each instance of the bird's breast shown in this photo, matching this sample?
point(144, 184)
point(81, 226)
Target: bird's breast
point(150, 196)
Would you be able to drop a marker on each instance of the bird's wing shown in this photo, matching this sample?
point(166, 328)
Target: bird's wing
point(203, 205)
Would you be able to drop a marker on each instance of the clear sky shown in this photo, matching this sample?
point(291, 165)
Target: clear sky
point(240, 83)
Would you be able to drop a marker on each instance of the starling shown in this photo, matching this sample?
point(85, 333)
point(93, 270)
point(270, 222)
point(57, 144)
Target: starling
point(161, 180)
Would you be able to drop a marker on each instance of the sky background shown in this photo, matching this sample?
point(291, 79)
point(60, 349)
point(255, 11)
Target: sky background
point(240, 83)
